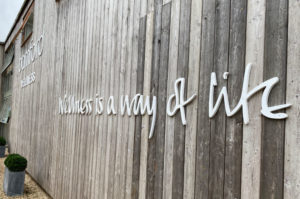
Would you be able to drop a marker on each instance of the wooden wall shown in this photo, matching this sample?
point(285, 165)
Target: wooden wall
point(111, 47)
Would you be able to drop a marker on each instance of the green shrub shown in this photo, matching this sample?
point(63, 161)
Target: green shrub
point(2, 141)
point(15, 162)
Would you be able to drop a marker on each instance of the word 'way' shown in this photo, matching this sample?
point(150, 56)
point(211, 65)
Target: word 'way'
point(141, 105)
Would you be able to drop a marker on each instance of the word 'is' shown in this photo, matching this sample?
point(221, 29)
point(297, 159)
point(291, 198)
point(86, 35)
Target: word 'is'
point(141, 105)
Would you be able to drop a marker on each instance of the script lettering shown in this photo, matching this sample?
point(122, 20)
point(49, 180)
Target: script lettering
point(180, 102)
point(266, 86)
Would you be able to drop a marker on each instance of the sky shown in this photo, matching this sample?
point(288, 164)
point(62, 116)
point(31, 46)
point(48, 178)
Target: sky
point(9, 10)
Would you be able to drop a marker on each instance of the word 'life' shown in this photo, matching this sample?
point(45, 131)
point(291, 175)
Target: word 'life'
point(141, 105)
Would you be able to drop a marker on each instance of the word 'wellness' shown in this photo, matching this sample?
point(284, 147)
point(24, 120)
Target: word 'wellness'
point(141, 105)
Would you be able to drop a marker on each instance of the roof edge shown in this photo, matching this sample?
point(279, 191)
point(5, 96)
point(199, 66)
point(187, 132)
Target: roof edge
point(16, 20)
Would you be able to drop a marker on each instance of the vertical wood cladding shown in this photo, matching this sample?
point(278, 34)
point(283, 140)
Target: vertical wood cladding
point(275, 64)
point(116, 48)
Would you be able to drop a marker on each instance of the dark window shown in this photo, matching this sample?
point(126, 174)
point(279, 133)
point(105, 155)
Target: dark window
point(8, 57)
point(27, 25)
point(6, 93)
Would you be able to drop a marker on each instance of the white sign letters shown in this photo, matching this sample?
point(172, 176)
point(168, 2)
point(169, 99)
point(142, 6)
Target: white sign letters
point(29, 79)
point(34, 51)
point(245, 96)
point(180, 103)
point(141, 105)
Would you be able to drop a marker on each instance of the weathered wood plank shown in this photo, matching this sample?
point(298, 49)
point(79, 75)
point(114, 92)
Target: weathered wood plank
point(158, 141)
point(151, 159)
point(122, 65)
point(65, 87)
point(182, 71)
point(192, 109)
point(38, 100)
point(129, 88)
point(138, 121)
point(275, 56)
point(79, 92)
point(251, 155)
point(93, 72)
point(292, 132)
point(203, 122)
point(234, 125)
point(170, 121)
point(57, 81)
point(133, 89)
point(114, 65)
point(88, 72)
point(146, 92)
point(60, 56)
point(106, 90)
point(218, 123)
point(101, 118)
point(83, 139)
point(97, 88)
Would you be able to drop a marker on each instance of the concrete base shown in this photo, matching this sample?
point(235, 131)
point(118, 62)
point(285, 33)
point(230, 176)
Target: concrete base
point(2, 151)
point(13, 182)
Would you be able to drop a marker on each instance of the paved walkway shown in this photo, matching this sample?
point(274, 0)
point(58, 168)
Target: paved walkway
point(31, 189)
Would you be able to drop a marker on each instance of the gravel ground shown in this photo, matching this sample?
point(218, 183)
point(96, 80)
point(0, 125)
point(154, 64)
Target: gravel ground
point(31, 189)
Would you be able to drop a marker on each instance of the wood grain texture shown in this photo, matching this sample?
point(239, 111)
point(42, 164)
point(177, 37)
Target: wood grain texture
point(161, 91)
point(146, 92)
point(152, 162)
point(114, 23)
point(292, 133)
point(193, 87)
point(114, 48)
point(138, 121)
point(134, 85)
point(182, 71)
point(218, 123)
point(203, 122)
point(234, 125)
point(275, 57)
point(251, 155)
point(105, 83)
point(170, 121)
point(121, 57)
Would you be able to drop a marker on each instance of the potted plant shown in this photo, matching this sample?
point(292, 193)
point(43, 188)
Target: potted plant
point(2, 147)
point(14, 175)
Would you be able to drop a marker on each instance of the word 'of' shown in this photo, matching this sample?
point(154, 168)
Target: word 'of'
point(140, 104)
